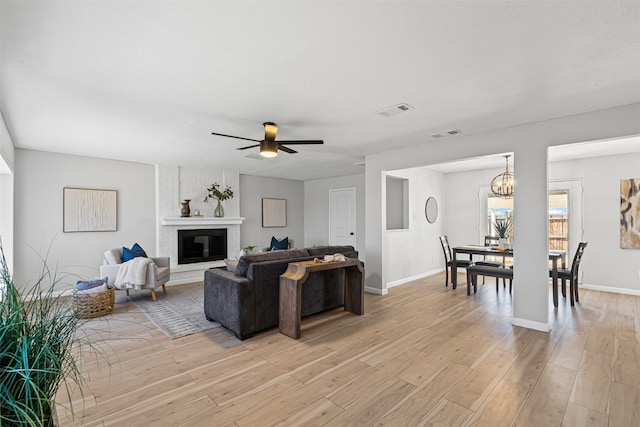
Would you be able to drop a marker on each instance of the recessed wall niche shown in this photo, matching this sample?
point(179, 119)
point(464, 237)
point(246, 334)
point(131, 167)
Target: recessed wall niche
point(397, 203)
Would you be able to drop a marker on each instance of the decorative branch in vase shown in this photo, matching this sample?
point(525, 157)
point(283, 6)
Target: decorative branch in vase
point(215, 193)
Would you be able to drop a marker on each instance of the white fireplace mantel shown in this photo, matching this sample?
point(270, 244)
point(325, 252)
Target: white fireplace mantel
point(205, 220)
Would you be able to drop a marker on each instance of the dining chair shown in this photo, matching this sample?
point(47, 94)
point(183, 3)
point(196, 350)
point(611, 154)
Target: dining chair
point(448, 259)
point(492, 241)
point(572, 274)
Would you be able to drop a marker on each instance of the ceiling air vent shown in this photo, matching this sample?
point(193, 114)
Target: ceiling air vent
point(254, 156)
point(396, 109)
point(447, 133)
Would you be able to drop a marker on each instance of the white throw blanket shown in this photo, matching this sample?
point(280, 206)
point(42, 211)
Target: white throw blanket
point(133, 273)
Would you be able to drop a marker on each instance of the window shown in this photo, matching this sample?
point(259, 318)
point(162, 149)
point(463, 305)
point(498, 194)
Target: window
point(498, 208)
point(559, 220)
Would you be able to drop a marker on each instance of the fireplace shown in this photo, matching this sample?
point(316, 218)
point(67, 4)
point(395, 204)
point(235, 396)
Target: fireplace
point(202, 245)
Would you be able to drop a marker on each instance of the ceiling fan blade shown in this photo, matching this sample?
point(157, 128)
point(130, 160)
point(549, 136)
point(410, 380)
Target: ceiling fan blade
point(248, 146)
point(236, 137)
point(286, 149)
point(310, 141)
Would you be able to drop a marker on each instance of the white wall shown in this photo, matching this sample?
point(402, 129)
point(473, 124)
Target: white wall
point(316, 208)
point(605, 265)
point(461, 223)
point(416, 251)
point(7, 165)
point(252, 190)
point(39, 180)
point(528, 143)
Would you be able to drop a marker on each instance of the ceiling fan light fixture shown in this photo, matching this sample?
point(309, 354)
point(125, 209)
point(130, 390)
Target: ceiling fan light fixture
point(268, 148)
point(270, 131)
point(504, 183)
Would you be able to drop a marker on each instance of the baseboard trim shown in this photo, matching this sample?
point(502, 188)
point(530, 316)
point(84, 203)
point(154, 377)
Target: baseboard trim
point(611, 289)
point(530, 324)
point(54, 294)
point(412, 278)
point(375, 291)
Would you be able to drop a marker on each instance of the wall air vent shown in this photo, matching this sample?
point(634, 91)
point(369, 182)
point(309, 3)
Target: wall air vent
point(396, 109)
point(447, 133)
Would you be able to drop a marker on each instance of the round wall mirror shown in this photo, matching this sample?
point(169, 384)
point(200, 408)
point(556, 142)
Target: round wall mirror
point(431, 210)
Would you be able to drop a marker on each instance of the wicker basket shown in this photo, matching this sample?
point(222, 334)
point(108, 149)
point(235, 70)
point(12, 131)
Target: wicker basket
point(86, 306)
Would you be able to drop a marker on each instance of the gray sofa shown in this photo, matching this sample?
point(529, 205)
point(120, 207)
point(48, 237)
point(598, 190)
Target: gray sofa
point(247, 301)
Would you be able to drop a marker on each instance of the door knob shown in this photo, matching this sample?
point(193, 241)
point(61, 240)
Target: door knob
point(351, 233)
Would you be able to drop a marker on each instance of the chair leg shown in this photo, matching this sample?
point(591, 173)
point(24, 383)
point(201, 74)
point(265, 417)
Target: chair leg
point(564, 288)
point(576, 289)
point(446, 277)
point(510, 285)
point(164, 289)
point(153, 294)
point(571, 292)
point(127, 292)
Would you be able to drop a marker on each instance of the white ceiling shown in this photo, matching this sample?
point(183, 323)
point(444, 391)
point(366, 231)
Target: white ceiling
point(149, 81)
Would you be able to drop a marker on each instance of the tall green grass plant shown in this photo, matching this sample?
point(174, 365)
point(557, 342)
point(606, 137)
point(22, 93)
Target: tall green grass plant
point(37, 338)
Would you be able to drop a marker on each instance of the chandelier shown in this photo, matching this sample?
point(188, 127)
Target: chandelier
point(503, 184)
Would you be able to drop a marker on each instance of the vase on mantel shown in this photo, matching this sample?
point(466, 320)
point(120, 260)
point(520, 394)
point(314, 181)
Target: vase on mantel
point(185, 211)
point(219, 212)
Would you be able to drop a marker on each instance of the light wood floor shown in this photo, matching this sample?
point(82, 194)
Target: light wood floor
point(422, 355)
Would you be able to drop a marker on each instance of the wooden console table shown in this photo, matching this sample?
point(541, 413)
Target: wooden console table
point(298, 272)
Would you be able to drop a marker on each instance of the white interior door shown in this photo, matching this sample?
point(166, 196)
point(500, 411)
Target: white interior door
point(342, 217)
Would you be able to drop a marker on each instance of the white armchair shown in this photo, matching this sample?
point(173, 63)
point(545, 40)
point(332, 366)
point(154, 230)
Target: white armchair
point(155, 276)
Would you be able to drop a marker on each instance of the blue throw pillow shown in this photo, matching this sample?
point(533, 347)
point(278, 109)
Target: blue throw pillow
point(135, 251)
point(278, 245)
point(83, 285)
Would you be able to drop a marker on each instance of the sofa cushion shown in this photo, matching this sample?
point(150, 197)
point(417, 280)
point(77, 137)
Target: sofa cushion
point(95, 290)
point(279, 245)
point(83, 285)
point(113, 256)
point(330, 250)
point(247, 260)
point(232, 264)
point(135, 251)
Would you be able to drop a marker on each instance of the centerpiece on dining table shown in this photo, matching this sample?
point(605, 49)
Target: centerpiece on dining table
point(503, 226)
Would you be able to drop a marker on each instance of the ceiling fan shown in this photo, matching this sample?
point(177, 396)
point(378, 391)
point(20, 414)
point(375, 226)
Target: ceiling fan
point(269, 146)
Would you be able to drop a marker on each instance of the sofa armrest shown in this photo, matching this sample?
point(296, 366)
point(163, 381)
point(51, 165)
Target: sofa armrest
point(161, 261)
point(110, 271)
point(230, 300)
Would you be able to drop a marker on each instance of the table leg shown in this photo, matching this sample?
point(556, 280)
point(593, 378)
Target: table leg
point(554, 276)
point(454, 270)
point(290, 307)
point(354, 290)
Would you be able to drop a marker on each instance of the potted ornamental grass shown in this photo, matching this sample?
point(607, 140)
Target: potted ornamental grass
point(503, 227)
point(37, 347)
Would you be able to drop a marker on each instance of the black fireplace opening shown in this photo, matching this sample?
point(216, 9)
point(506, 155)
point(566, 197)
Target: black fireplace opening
point(202, 245)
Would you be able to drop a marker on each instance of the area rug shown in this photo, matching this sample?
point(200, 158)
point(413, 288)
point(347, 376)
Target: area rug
point(177, 313)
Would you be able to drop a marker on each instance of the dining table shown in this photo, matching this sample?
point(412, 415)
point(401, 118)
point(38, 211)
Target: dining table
point(555, 256)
